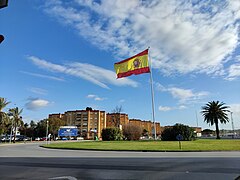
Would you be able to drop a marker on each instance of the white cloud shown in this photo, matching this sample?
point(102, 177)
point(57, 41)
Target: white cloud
point(167, 108)
point(237, 58)
point(36, 103)
point(160, 87)
point(91, 96)
point(182, 107)
point(235, 109)
point(164, 108)
point(233, 72)
point(38, 91)
point(43, 76)
point(94, 74)
point(95, 97)
point(187, 35)
point(185, 96)
point(121, 100)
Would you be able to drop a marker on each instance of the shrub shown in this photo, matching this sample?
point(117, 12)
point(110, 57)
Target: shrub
point(132, 132)
point(111, 134)
point(171, 133)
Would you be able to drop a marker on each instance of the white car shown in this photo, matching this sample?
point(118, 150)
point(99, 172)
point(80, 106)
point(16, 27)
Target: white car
point(37, 139)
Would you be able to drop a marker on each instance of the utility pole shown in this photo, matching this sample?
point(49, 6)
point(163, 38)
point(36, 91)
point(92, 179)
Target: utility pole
point(47, 133)
point(11, 118)
point(196, 117)
point(232, 125)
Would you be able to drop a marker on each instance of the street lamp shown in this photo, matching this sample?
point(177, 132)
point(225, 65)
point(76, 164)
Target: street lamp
point(232, 124)
point(47, 133)
point(10, 116)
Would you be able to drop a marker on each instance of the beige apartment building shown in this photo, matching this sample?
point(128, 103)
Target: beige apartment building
point(117, 119)
point(120, 119)
point(147, 125)
point(89, 122)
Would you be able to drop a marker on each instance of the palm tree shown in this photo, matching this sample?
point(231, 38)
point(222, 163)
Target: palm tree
point(215, 112)
point(17, 120)
point(3, 115)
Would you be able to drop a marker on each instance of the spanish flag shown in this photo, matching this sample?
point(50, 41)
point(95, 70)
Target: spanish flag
point(137, 64)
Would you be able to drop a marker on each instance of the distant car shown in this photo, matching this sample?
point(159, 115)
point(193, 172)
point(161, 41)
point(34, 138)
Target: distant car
point(64, 138)
point(27, 139)
point(43, 139)
point(37, 139)
point(80, 138)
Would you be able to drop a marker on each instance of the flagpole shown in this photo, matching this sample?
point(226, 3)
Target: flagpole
point(152, 93)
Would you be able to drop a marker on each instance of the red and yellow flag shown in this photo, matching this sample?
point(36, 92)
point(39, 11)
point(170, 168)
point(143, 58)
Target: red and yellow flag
point(137, 64)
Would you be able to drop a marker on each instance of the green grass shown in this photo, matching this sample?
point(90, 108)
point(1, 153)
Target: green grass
point(198, 145)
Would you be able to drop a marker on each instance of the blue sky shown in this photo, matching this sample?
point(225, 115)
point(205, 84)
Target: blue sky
point(59, 55)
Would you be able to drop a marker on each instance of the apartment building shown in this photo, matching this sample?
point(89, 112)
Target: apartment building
point(147, 125)
point(89, 122)
point(117, 119)
point(52, 116)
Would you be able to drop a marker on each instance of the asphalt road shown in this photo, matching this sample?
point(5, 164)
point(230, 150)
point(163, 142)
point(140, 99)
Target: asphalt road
point(28, 161)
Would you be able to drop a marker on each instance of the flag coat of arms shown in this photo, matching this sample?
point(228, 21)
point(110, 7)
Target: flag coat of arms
point(137, 64)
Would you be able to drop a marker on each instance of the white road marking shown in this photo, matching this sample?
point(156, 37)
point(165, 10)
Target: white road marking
point(64, 177)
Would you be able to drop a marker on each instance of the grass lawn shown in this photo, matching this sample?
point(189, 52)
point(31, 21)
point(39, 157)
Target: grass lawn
point(198, 145)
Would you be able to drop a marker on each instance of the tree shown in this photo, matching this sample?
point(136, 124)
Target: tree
point(40, 129)
point(25, 127)
point(145, 132)
point(54, 125)
point(32, 124)
point(17, 120)
point(117, 115)
point(27, 130)
point(132, 132)
point(32, 129)
point(215, 112)
point(171, 133)
point(111, 134)
point(3, 116)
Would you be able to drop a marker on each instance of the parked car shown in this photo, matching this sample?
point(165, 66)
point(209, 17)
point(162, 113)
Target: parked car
point(44, 139)
point(80, 138)
point(37, 139)
point(27, 139)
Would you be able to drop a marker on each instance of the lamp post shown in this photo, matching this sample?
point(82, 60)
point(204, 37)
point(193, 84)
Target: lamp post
point(10, 115)
point(47, 133)
point(232, 124)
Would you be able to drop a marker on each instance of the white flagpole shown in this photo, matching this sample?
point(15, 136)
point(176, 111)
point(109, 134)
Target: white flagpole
point(152, 93)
